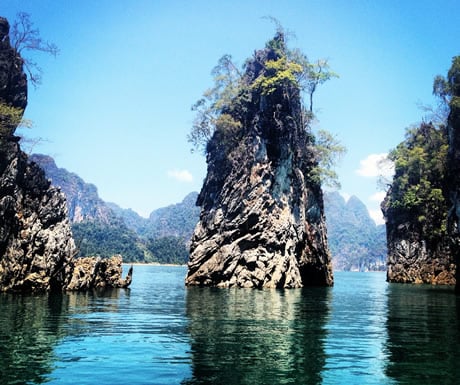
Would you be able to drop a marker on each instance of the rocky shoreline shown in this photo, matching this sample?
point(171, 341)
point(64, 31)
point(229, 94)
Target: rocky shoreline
point(36, 245)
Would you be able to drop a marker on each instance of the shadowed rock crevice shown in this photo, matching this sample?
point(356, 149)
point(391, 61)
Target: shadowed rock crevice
point(262, 216)
point(36, 245)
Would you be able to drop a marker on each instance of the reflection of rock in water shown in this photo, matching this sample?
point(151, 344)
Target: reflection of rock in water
point(31, 327)
point(423, 335)
point(257, 337)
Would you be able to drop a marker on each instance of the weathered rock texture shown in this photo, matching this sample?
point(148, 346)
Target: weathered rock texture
point(36, 244)
point(261, 221)
point(97, 273)
point(419, 249)
point(453, 125)
point(83, 201)
point(412, 259)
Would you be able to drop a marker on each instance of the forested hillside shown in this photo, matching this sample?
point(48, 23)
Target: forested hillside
point(102, 228)
point(355, 241)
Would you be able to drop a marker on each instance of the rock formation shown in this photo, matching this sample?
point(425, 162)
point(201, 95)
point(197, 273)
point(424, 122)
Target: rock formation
point(36, 244)
point(415, 211)
point(83, 201)
point(262, 219)
point(411, 259)
point(453, 175)
point(98, 273)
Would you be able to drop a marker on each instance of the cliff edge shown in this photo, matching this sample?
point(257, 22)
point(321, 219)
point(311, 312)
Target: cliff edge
point(262, 217)
point(36, 244)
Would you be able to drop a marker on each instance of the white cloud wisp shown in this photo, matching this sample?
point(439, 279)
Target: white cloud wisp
point(376, 165)
point(181, 175)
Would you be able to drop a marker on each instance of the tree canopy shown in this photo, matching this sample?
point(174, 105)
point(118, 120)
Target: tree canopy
point(218, 110)
point(417, 191)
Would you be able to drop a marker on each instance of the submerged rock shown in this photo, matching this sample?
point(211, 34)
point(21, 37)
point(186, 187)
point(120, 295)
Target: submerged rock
point(262, 217)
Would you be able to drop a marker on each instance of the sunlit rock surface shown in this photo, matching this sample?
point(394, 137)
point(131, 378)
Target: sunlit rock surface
point(262, 217)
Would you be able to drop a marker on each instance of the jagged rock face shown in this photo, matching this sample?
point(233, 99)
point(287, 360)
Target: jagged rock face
point(262, 221)
point(13, 80)
point(96, 273)
point(36, 244)
point(453, 125)
point(413, 259)
point(82, 198)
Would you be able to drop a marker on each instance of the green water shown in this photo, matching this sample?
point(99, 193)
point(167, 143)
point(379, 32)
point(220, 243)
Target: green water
point(361, 331)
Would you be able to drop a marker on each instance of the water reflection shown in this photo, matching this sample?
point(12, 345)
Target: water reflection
point(31, 327)
point(423, 335)
point(257, 336)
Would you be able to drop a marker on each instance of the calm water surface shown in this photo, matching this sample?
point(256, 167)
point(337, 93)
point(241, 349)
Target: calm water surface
point(361, 331)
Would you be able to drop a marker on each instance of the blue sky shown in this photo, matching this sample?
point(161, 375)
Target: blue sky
point(114, 106)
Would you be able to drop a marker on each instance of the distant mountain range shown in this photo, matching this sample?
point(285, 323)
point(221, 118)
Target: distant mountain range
point(105, 229)
point(355, 241)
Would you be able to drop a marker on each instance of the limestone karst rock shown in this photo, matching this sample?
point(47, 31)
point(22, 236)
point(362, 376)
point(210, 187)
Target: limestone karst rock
point(419, 250)
point(36, 244)
point(262, 219)
point(97, 273)
point(453, 165)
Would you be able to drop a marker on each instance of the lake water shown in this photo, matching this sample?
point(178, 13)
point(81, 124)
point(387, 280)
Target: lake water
point(361, 331)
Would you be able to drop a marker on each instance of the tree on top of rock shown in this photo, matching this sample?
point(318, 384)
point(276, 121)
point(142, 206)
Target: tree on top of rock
point(220, 112)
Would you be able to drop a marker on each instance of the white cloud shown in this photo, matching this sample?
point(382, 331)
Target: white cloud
point(377, 197)
point(375, 165)
point(181, 175)
point(377, 216)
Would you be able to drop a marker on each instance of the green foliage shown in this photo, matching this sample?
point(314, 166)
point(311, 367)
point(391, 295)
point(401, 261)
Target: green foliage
point(104, 240)
point(312, 74)
point(328, 152)
point(214, 103)
point(418, 183)
point(169, 249)
point(279, 73)
point(447, 89)
point(10, 119)
point(220, 113)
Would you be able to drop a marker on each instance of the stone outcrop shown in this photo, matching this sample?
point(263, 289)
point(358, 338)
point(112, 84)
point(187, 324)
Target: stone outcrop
point(262, 218)
point(419, 250)
point(36, 244)
point(411, 259)
point(453, 176)
point(97, 273)
point(13, 80)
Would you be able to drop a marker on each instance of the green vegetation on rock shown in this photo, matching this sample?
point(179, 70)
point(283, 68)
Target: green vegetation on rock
point(220, 113)
point(417, 191)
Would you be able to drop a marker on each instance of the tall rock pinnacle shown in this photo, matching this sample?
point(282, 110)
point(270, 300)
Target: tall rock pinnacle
point(36, 244)
point(262, 219)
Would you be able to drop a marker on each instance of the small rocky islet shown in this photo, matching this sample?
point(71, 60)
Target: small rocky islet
point(262, 218)
point(262, 221)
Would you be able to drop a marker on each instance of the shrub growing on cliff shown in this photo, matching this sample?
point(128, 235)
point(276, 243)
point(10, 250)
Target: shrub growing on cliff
point(220, 112)
point(10, 119)
point(418, 184)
